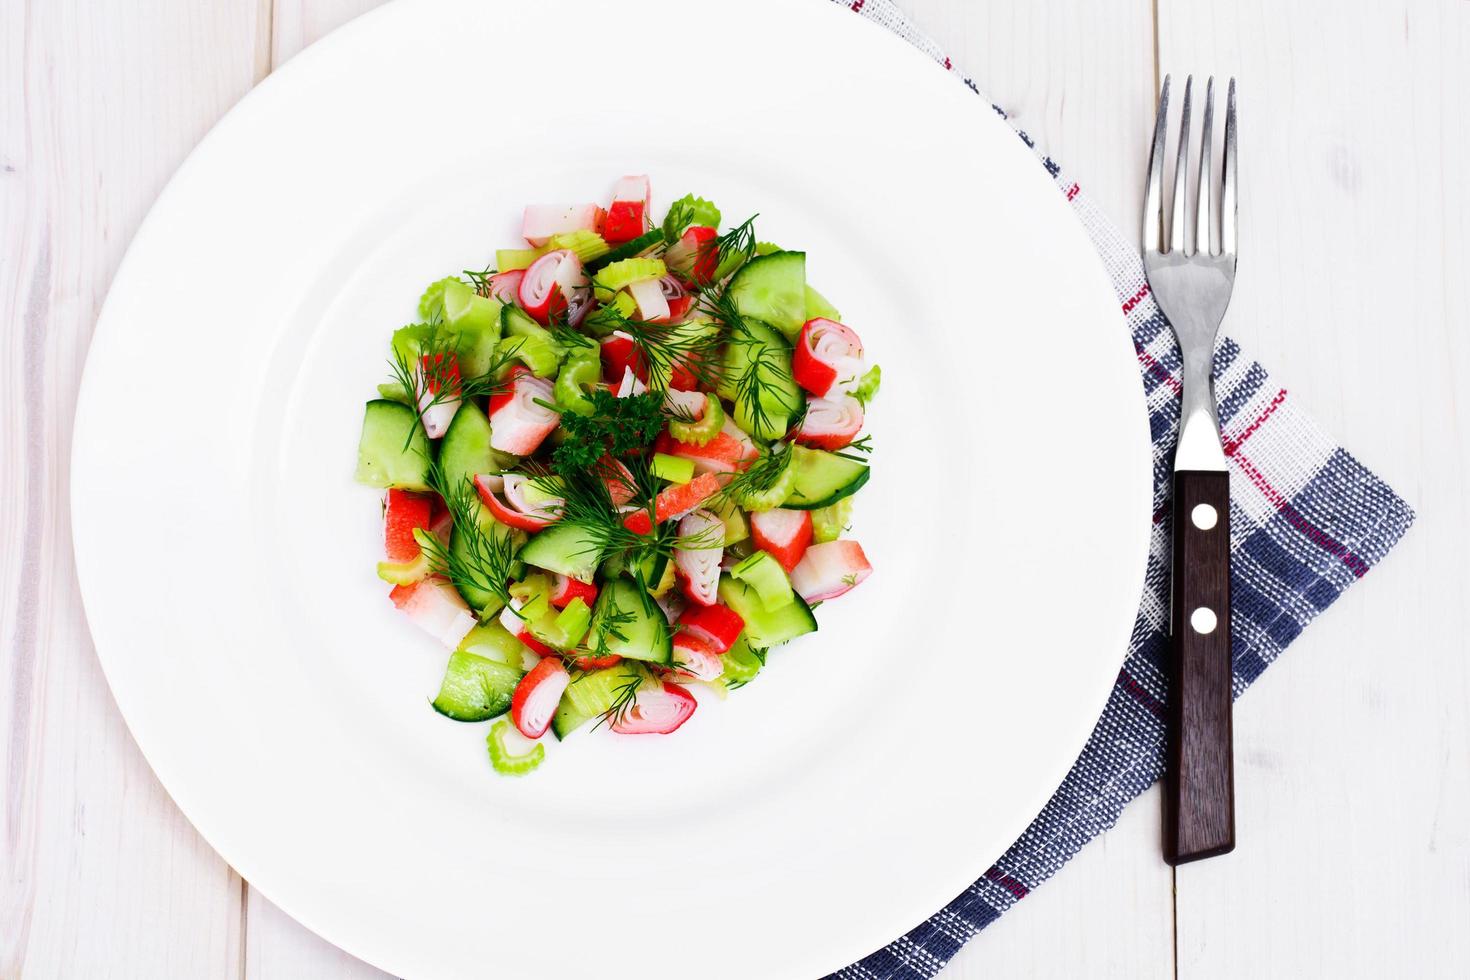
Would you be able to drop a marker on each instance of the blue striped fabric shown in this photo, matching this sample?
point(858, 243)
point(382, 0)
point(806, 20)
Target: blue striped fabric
point(1307, 520)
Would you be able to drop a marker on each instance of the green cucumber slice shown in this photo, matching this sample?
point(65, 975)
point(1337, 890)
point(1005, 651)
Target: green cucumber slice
point(465, 450)
point(765, 575)
point(761, 357)
point(823, 478)
point(765, 628)
point(626, 622)
point(590, 695)
point(475, 689)
point(773, 288)
point(627, 250)
point(564, 548)
point(394, 449)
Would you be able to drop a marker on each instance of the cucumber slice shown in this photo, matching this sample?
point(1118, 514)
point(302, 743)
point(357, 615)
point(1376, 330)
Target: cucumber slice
point(475, 689)
point(485, 604)
point(764, 627)
point(627, 250)
point(761, 357)
point(817, 306)
point(466, 450)
point(773, 288)
point(590, 695)
point(573, 551)
point(394, 450)
point(823, 478)
point(626, 622)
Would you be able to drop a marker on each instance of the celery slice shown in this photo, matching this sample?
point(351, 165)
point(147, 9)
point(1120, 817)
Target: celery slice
point(616, 275)
point(675, 469)
point(511, 259)
point(508, 750)
point(588, 245)
point(765, 575)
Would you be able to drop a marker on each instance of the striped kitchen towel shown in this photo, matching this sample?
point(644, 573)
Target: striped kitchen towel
point(1306, 521)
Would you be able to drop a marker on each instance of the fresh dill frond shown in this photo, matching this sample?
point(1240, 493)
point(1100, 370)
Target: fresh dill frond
point(739, 240)
point(761, 476)
point(430, 376)
point(680, 217)
point(486, 559)
point(667, 349)
point(479, 279)
point(857, 450)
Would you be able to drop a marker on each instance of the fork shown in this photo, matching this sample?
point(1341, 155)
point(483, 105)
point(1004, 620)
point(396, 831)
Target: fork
point(1192, 282)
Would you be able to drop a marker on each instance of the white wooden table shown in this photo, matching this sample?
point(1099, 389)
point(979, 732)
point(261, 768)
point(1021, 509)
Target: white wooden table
point(1353, 754)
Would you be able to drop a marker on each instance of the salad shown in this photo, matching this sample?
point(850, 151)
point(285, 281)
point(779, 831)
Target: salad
point(618, 465)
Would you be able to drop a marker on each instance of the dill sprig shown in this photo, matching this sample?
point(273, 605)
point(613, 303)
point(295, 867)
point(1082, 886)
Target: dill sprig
point(765, 377)
point(625, 695)
point(858, 449)
point(738, 240)
point(431, 376)
point(486, 560)
point(679, 218)
point(761, 475)
point(480, 279)
point(668, 348)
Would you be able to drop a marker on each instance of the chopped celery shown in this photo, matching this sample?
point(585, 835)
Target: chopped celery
point(535, 595)
point(828, 523)
point(742, 663)
point(736, 529)
point(697, 210)
point(465, 309)
point(604, 320)
point(574, 621)
point(868, 386)
point(533, 344)
point(395, 392)
point(766, 248)
point(619, 274)
point(703, 431)
point(409, 341)
point(431, 303)
point(577, 375)
point(818, 307)
point(405, 572)
point(765, 575)
point(494, 642)
point(588, 245)
point(511, 259)
point(675, 469)
point(509, 751)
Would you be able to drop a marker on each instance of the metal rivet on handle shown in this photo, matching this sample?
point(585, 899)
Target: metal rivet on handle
point(1204, 516)
point(1203, 620)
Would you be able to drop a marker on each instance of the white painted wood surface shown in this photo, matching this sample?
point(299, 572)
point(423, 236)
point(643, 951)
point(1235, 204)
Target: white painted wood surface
point(1354, 788)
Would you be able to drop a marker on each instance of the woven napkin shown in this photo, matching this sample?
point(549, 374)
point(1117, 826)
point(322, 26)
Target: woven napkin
point(1307, 520)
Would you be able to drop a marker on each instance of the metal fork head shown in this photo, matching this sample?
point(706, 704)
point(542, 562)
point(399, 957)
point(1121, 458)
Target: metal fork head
point(1192, 275)
point(1192, 280)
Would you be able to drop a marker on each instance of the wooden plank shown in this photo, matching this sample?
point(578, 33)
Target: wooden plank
point(102, 874)
point(1079, 78)
point(1353, 796)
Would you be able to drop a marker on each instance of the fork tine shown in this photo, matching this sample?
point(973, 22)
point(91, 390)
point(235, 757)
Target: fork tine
point(1153, 191)
point(1204, 215)
point(1227, 171)
point(1179, 203)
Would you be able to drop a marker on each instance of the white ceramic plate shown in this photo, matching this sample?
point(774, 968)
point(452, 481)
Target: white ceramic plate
point(873, 770)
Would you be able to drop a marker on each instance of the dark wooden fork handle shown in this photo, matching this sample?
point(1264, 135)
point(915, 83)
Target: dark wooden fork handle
point(1199, 791)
